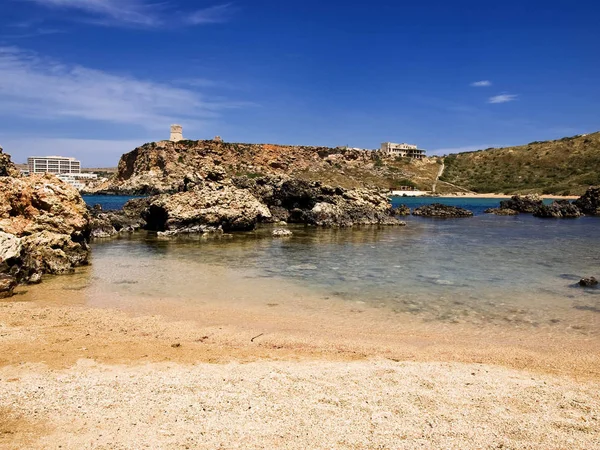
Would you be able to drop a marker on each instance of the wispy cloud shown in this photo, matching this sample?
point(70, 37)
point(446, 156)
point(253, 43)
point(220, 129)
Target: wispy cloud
point(138, 13)
point(214, 14)
point(503, 98)
point(36, 87)
point(482, 83)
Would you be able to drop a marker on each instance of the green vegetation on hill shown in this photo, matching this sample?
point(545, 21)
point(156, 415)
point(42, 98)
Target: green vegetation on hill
point(566, 166)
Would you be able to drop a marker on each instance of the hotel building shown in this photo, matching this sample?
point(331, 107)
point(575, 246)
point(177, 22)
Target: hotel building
point(53, 164)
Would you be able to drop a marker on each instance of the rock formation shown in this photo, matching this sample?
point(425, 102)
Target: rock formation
point(588, 282)
point(7, 168)
point(442, 211)
point(210, 208)
point(501, 211)
point(523, 204)
point(169, 167)
point(401, 210)
point(313, 203)
point(105, 224)
point(589, 203)
point(561, 209)
point(44, 227)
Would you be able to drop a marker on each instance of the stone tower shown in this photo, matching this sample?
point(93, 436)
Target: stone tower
point(176, 133)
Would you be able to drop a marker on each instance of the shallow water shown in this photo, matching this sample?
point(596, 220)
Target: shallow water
point(516, 272)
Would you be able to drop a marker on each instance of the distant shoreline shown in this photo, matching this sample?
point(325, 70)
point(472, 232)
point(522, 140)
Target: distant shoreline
point(559, 197)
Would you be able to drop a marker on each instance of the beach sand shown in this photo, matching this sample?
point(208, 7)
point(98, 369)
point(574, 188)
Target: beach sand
point(76, 377)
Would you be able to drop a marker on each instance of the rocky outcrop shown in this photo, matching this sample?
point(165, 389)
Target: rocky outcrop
point(589, 203)
point(169, 167)
point(443, 211)
point(588, 282)
point(560, 209)
point(44, 227)
point(7, 168)
point(212, 208)
point(313, 203)
point(281, 232)
point(523, 204)
point(401, 210)
point(501, 211)
point(105, 224)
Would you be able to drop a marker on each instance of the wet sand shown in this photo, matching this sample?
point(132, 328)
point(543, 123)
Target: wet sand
point(284, 375)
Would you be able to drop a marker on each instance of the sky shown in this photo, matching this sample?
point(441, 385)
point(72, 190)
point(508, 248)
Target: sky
point(96, 78)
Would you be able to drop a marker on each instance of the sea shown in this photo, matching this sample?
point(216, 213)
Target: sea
point(504, 271)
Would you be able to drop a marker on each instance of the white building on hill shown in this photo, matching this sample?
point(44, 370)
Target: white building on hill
point(404, 150)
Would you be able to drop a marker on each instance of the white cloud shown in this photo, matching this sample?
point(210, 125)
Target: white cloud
point(139, 13)
point(503, 98)
point(482, 83)
point(214, 14)
point(41, 88)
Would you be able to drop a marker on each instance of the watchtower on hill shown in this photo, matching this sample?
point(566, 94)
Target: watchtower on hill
point(176, 133)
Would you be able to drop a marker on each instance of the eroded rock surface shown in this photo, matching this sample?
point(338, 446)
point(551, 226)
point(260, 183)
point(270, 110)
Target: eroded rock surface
point(44, 227)
point(523, 204)
point(560, 209)
point(440, 210)
point(589, 203)
point(501, 211)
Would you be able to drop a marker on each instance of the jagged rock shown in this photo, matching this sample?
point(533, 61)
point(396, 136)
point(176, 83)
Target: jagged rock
point(589, 203)
point(281, 232)
point(105, 224)
point(527, 204)
point(7, 285)
point(561, 209)
point(439, 210)
point(588, 282)
point(501, 211)
point(44, 227)
point(7, 168)
point(313, 203)
point(401, 210)
point(210, 208)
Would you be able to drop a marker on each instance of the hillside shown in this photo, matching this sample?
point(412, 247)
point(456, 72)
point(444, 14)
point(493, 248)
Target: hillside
point(566, 166)
point(164, 166)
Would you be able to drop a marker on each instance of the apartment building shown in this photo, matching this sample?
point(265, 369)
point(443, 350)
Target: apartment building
point(53, 164)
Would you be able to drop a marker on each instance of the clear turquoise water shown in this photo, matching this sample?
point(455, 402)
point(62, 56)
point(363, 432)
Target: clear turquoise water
point(517, 271)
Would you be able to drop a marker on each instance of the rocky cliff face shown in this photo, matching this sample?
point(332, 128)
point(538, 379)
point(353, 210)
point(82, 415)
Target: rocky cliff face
point(167, 167)
point(44, 228)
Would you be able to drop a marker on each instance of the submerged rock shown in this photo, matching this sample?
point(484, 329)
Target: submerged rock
point(588, 282)
point(502, 211)
point(523, 204)
point(281, 232)
point(439, 210)
point(560, 209)
point(401, 210)
point(589, 203)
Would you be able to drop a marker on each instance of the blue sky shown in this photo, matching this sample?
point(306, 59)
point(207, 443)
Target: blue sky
point(96, 78)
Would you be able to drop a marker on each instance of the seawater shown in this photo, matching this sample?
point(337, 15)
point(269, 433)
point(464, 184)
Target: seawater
point(518, 270)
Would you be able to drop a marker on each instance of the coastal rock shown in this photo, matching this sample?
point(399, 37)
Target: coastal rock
point(588, 282)
point(207, 209)
point(523, 204)
point(439, 210)
point(401, 210)
point(561, 209)
point(44, 227)
point(311, 202)
point(7, 168)
point(281, 232)
point(105, 224)
point(501, 211)
point(589, 203)
point(7, 285)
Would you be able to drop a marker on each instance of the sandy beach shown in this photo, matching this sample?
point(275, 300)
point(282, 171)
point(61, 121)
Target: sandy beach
point(77, 377)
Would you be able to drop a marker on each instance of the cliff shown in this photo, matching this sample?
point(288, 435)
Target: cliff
point(7, 168)
point(566, 166)
point(164, 167)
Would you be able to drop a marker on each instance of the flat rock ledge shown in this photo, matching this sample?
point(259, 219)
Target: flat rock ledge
point(442, 211)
